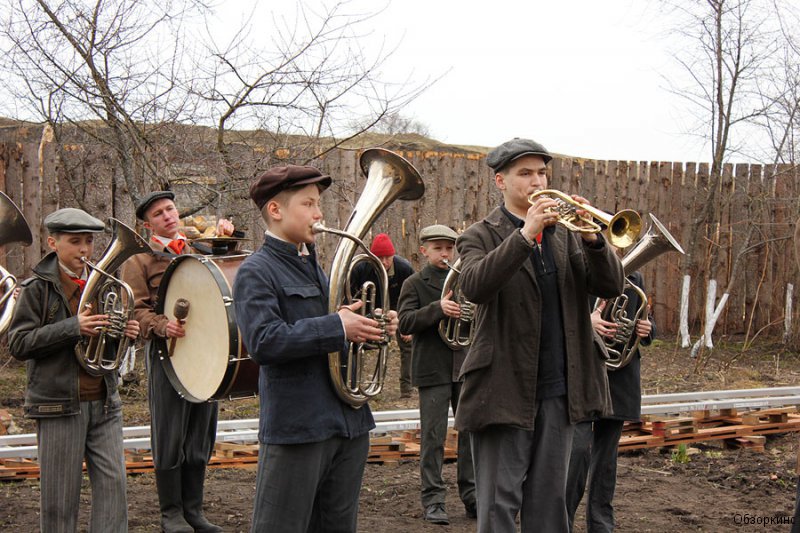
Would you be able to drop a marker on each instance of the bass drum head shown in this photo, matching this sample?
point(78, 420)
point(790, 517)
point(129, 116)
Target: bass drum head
point(200, 359)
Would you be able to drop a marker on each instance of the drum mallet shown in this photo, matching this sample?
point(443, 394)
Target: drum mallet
point(181, 311)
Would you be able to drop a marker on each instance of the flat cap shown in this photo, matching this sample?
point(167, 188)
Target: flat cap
point(148, 199)
point(71, 220)
point(437, 232)
point(514, 149)
point(278, 179)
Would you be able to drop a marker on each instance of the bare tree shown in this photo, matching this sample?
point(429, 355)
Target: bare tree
point(122, 73)
point(106, 70)
point(725, 47)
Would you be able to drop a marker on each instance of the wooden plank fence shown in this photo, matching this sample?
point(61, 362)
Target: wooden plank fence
point(459, 191)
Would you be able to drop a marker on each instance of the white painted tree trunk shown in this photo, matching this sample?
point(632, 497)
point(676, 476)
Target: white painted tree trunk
point(787, 313)
point(684, 312)
point(711, 317)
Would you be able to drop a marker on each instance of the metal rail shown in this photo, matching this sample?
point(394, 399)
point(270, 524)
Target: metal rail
point(246, 430)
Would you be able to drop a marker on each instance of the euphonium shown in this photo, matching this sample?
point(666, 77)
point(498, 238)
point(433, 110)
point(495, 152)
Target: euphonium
point(389, 178)
point(456, 333)
point(13, 228)
point(110, 296)
point(622, 347)
point(623, 227)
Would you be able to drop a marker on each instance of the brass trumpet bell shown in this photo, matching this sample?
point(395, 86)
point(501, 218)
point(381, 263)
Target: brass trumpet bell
point(623, 228)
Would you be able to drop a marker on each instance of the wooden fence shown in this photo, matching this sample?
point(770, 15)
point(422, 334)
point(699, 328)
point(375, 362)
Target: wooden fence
point(459, 191)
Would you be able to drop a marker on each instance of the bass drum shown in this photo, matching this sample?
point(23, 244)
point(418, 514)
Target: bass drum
point(210, 362)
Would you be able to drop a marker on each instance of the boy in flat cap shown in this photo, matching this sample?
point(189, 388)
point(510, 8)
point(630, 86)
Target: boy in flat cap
point(435, 372)
point(532, 371)
point(398, 270)
point(78, 415)
point(313, 446)
point(182, 432)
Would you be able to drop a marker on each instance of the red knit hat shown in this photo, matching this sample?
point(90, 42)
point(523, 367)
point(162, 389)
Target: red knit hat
point(382, 245)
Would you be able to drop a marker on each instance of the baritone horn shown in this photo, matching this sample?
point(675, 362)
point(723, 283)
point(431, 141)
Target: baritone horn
point(389, 178)
point(111, 296)
point(622, 346)
point(623, 227)
point(456, 333)
point(13, 229)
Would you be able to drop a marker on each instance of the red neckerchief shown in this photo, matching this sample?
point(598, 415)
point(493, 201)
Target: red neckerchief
point(539, 238)
point(80, 282)
point(176, 245)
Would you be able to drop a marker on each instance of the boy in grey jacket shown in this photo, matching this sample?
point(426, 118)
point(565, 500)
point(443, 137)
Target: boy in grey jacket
point(435, 369)
point(78, 415)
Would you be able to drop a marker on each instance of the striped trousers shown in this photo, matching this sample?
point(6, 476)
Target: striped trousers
point(64, 443)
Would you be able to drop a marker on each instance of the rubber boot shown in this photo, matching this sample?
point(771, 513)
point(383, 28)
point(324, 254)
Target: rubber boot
point(168, 483)
point(192, 489)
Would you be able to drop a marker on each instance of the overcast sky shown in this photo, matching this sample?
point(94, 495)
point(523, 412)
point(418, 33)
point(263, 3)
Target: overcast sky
point(584, 77)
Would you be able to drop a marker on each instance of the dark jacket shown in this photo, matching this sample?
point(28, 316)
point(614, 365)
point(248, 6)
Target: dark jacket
point(44, 333)
point(281, 303)
point(432, 362)
point(500, 372)
point(364, 272)
point(625, 383)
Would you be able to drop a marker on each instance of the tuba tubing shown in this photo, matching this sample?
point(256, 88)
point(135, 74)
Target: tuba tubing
point(13, 229)
point(111, 296)
point(390, 177)
point(623, 346)
point(456, 333)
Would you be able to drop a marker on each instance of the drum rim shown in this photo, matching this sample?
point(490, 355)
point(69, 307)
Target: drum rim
point(234, 345)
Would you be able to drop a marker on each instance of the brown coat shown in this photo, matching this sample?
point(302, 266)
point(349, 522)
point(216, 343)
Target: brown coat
point(500, 372)
point(143, 272)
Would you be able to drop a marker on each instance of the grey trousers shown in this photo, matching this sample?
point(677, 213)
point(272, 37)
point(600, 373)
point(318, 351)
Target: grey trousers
point(434, 403)
point(594, 456)
point(405, 364)
point(181, 432)
point(524, 472)
point(309, 487)
point(64, 442)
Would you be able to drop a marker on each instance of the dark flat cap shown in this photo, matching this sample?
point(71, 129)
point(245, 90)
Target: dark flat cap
point(278, 179)
point(507, 152)
point(71, 220)
point(437, 232)
point(148, 199)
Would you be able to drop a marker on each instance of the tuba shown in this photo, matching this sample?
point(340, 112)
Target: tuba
point(623, 227)
point(109, 296)
point(456, 333)
point(623, 345)
point(13, 228)
point(389, 178)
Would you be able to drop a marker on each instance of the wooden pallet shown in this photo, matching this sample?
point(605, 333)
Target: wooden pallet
point(383, 449)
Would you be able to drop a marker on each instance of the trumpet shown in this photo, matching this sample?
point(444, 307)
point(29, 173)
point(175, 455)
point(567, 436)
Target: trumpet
point(623, 227)
point(113, 298)
point(457, 333)
point(389, 177)
point(13, 228)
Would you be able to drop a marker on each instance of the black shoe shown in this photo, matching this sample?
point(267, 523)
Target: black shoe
point(435, 514)
point(471, 510)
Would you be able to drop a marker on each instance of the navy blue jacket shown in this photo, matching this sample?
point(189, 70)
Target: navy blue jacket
point(281, 302)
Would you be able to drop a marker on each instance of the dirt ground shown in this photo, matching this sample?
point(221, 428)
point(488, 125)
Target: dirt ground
point(714, 491)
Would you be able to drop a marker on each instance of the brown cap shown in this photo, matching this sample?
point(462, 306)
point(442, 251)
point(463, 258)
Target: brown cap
point(278, 179)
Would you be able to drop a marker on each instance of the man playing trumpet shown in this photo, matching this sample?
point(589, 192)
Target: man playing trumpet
point(532, 371)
